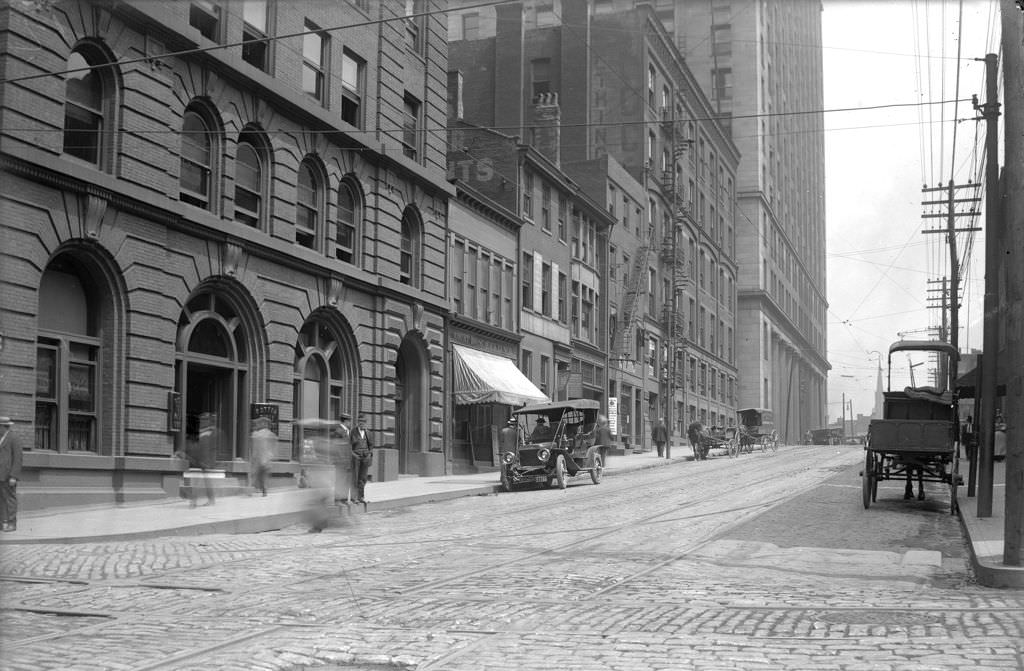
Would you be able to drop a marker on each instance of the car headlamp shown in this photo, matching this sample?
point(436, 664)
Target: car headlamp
point(542, 455)
point(508, 457)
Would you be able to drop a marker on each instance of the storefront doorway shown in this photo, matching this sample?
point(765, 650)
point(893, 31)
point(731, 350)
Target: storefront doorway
point(210, 374)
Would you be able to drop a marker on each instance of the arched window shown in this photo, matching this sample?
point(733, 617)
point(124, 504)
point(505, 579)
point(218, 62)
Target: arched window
point(67, 360)
point(350, 216)
point(249, 179)
point(309, 194)
point(89, 105)
point(409, 269)
point(325, 385)
point(196, 159)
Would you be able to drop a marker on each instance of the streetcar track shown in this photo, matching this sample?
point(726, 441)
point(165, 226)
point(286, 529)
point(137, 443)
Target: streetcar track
point(519, 514)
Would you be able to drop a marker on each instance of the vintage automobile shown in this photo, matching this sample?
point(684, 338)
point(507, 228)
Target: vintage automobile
point(555, 441)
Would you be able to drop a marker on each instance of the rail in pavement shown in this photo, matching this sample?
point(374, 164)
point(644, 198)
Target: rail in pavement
point(244, 514)
point(254, 514)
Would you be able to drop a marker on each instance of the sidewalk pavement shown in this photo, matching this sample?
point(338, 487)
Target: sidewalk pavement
point(282, 507)
point(986, 534)
point(286, 507)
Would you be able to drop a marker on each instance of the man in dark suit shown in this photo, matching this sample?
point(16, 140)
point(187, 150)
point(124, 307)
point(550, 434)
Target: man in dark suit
point(362, 458)
point(10, 473)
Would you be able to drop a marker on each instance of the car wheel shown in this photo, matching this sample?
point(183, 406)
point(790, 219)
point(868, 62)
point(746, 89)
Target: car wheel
point(597, 471)
point(506, 481)
point(560, 474)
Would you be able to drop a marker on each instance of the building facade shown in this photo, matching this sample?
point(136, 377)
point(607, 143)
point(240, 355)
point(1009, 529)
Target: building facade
point(638, 131)
point(761, 64)
point(483, 331)
point(203, 222)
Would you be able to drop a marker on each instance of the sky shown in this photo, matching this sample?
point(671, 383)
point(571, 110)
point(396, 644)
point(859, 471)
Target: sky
point(900, 57)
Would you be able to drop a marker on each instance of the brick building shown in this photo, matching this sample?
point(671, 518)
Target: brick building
point(623, 91)
point(213, 210)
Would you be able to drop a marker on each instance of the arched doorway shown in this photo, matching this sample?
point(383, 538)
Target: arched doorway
point(411, 400)
point(211, 370)
point(326, 379)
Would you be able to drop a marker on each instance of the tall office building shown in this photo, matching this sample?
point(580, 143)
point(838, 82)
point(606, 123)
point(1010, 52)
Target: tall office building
point(761, 65)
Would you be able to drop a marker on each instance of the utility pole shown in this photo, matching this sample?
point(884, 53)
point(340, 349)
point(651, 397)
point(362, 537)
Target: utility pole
point(986, 389)
point(950, 202)
point(1013, 123)
point(843, 425)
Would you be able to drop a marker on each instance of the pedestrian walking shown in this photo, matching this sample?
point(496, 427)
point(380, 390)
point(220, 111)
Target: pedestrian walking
point(262, 447)
point(659, 435)
point(362, 458)
point(204, 457)
point(509, 436)
point(967, 437)
point(341, 446)
point(10, 473)
point(999, 447)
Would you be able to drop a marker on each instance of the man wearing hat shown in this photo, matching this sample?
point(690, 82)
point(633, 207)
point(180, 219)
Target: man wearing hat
point(542, 432)
point(10, 473)
point(342, 455)
point(509, 436)
point(362, 458)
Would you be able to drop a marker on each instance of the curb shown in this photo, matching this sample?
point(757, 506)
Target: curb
point(990, 573)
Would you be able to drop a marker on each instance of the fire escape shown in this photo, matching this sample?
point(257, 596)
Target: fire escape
point(633, 291)
point(673, 260)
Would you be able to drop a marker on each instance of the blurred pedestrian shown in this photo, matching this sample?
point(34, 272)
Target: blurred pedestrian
point(659, 435)
point(695, 432)
point(10, 473)
point(362, 458)
point(204, 457)
point(341, 445)
point(262, 450)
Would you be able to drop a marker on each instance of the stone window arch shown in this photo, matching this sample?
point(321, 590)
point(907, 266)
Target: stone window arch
point(199, 150)
point(309, 204)
point(79, 380)
point(350, 220)
point(252, 163)
point(90, 105)
point(411, 253)
point(326, 383)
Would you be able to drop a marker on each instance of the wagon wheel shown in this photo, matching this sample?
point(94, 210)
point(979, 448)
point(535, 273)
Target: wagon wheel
point(560, 474)
point(598, 470)
point(868, 481)
point(733, 448)
point(506, 481)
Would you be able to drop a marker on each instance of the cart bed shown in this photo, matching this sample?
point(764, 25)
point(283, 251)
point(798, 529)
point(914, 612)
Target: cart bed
point(919, 436)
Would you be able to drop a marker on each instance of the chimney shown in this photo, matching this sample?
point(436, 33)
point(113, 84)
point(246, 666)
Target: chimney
point(546, 122)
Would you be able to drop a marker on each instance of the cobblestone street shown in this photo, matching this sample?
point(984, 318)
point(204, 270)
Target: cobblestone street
point(766, 561)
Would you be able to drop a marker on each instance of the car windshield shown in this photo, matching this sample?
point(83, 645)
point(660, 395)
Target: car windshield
point(542, 427)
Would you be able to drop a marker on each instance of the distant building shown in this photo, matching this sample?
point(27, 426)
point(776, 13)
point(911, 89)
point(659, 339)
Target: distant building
point(761, 66)
point(668, 186)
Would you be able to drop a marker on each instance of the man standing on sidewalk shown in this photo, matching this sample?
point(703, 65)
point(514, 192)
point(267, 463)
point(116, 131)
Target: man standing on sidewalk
point(659, 435)
point(10, 473)
point(362, 458)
